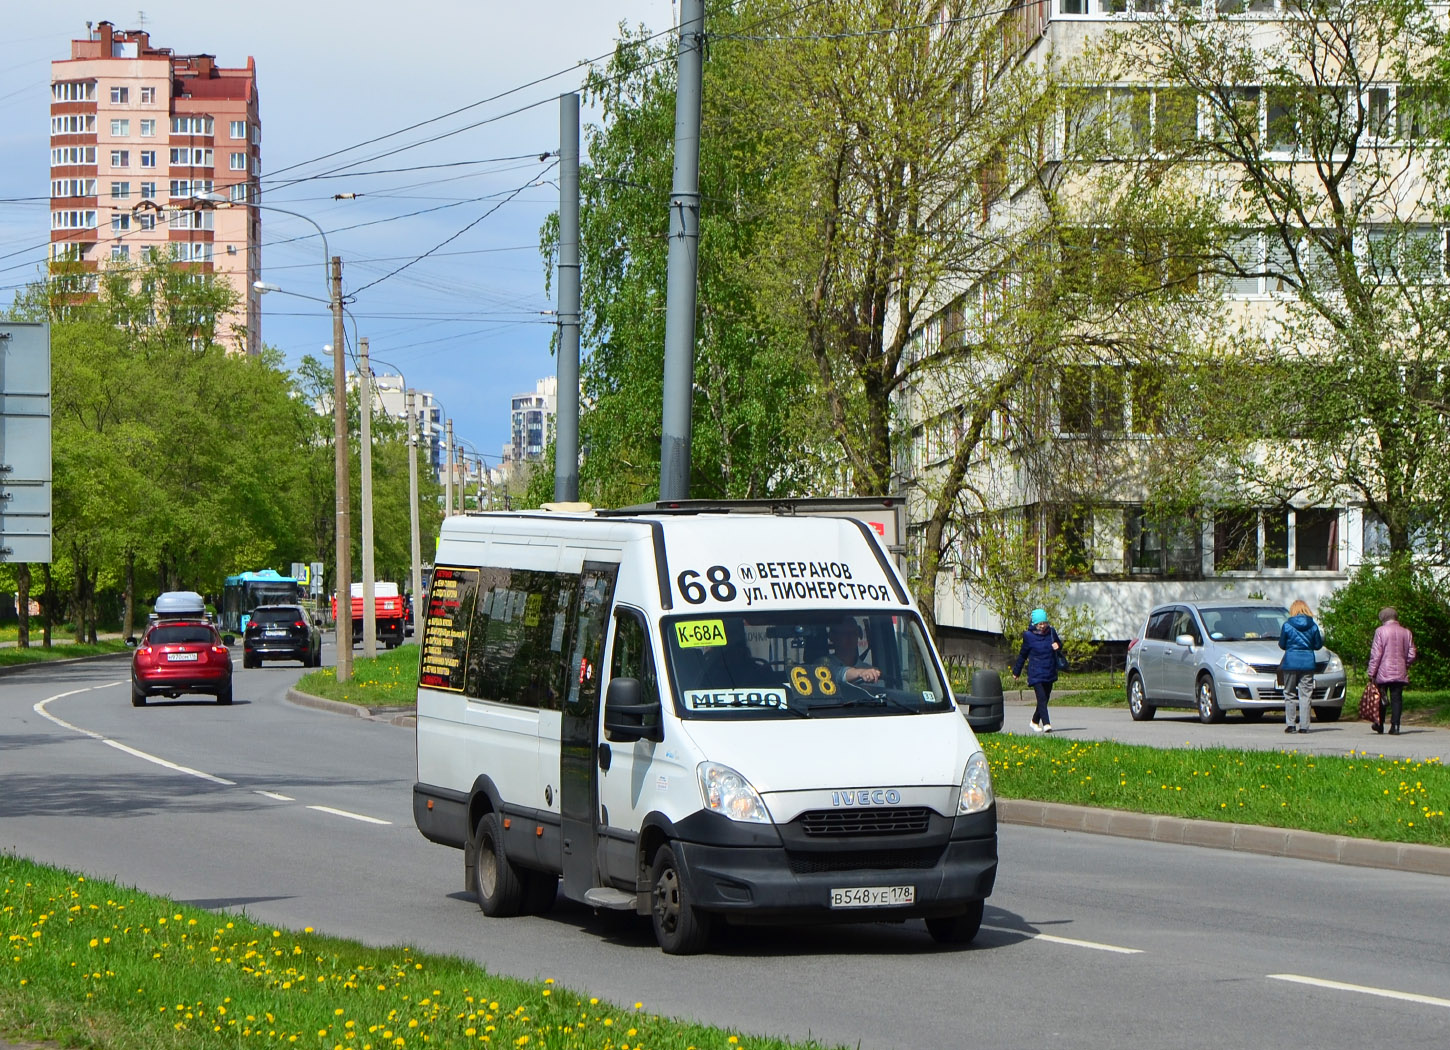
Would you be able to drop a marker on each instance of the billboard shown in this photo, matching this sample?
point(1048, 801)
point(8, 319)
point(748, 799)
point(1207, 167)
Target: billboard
point(25, 480)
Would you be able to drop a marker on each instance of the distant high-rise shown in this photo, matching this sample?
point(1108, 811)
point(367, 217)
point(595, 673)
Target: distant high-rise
point(137, 133)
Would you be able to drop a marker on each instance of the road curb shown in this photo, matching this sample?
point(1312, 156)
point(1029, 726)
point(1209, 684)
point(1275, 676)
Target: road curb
point(396, 716)
point(1245, 838)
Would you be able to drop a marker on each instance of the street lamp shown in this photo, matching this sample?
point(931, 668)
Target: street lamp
point(416, 540)
point(332, 275)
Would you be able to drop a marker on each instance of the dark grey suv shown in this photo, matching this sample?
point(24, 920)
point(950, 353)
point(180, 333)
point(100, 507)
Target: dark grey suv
point(282, 632)
point(1218, 656)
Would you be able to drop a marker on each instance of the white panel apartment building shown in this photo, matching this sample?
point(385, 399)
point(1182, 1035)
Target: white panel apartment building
point(1129, 562)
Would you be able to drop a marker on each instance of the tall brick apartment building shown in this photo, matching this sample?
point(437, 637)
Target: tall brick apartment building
point(136, 134)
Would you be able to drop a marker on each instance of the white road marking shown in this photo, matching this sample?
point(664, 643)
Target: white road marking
point(1072, 942)
point(1340, 986)
point(40, 710)
point(279, 798)
point(350, 816)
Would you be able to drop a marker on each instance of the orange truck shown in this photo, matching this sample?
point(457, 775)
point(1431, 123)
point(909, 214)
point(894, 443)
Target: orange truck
point(388, 607)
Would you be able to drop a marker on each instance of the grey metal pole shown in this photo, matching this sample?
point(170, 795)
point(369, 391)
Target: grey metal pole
point(448, 468)
point(365, 458)
point(684, 227)
point(417, 544)
point(343, 621)
point(566, 419)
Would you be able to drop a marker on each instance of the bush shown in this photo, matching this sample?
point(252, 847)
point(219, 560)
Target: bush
point(1350, 615)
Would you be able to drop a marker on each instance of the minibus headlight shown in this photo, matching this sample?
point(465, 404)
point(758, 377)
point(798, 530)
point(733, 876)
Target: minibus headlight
point(976, 786)
point(728, 793)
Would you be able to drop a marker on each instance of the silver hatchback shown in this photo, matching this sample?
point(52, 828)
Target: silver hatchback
point(1220, 656)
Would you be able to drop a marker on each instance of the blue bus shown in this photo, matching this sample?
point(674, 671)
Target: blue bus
point(246, 590)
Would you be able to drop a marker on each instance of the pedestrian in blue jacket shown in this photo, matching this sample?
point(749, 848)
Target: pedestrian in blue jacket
point(1040, 649)
point(1300, 638)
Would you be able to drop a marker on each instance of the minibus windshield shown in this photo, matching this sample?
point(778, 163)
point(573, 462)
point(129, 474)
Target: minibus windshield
point(794, 664)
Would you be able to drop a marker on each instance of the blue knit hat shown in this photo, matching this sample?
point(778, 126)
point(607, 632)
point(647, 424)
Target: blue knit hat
point(1038, 616)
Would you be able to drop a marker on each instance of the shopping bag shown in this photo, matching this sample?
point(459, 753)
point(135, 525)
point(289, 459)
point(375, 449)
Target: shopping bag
point(1371, 704)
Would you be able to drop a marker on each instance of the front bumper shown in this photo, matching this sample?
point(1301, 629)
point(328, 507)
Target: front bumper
point(1263, 692)
point(770, 883)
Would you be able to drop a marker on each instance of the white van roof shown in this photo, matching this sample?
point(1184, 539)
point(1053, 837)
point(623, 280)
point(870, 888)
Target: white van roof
point(180, 603)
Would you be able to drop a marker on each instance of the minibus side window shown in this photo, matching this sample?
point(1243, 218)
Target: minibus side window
point(632, 657)
point(520, 633)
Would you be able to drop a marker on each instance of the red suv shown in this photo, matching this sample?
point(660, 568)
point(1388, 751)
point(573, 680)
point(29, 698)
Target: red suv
point(181, 656)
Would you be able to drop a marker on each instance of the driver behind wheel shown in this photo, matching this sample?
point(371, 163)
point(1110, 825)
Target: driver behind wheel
point(844, 659)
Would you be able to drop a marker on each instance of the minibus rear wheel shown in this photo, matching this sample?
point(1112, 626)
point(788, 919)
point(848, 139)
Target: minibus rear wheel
point(680, 927)
point(957, 929)
point(497, 884)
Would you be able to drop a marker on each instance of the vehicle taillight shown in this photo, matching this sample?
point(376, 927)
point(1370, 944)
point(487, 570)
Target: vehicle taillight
point(220, 650)
point(1132, 642)
point(299, 623)
point(145, 650)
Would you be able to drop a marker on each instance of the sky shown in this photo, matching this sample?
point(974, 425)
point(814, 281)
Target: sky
point(470, 322)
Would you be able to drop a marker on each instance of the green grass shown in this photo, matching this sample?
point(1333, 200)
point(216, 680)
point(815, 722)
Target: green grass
point(61, 649)
point(1363, 796)
point(91, 963)
point(388, 680)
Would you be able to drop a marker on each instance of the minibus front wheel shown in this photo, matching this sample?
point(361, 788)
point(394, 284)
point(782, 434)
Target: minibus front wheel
point(957, 929)
point(680, 927)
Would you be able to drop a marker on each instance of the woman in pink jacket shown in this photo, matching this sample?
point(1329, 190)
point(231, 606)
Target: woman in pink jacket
point(1390, 656)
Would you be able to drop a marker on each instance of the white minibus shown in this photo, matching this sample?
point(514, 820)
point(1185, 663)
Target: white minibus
point(697, 715)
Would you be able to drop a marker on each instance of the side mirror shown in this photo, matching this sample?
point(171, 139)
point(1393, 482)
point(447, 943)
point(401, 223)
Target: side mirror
point(131, 641)
point(1186, 639)
point(625, 717)
point(229, 639)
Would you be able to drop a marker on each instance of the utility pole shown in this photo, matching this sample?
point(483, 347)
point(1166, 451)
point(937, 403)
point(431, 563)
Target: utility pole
point(566, 419)
point(417, 543)
point(365, 457)
point(448, 468)
point(684, 232)
point(343, 621)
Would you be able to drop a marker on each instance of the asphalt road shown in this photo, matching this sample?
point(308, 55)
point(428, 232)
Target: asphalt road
point(302, 818)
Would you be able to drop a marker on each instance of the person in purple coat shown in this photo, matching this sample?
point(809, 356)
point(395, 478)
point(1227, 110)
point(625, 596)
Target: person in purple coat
point(1390, 655)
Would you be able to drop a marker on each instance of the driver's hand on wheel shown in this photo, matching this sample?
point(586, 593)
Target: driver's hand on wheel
point(863, 674)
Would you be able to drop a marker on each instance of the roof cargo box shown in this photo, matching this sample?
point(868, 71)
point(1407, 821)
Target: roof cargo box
point(172, 604)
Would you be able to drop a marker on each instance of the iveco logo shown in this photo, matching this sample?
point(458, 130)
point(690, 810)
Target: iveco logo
point(865, 797)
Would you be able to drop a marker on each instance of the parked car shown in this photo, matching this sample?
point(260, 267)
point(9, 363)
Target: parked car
point(408, 614)
point(282, 632)
point(1220, 656)
point(181, 652)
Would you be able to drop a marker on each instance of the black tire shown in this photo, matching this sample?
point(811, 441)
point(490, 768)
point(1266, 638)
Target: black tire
point(1253, 714)
point(138, 695)
point(248, 660)
point(497, 884)
point(1138, 705)
point(224, 694)
point(1208, 710)
point(680, 927)
point(1326, 714)
point(541, 890)
point(957, 929)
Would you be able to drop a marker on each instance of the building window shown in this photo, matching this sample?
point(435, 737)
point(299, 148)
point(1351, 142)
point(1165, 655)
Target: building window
point(120, 191)
point(193, 220)
point(191, 125)
point(237, 191)
point(148, 96)
point(146, 220)
point(239, 162)
point(148, 128)
point(239, 129)
point(148, 191)
point(120, 158)
point(1091, 399)
point(120, 128)
point(120, 222)
point(256, 135)
point(120, 96)
point(190, 187)
point(1164, 546)
point(73, 220)
point(120, 251)
point(1316, 539)
point(72, 187)
point(148, 158)
point(73, 91)
point(1235, 540)
point(63, 155)
point(188, 157)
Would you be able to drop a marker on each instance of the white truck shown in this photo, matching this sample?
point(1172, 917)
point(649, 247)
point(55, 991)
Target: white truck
point(696, 715)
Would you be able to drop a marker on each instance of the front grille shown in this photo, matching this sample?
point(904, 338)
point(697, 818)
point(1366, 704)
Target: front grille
point(1277, 694)
point(1274, 668)
point(896, 820)
point(862, 860)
